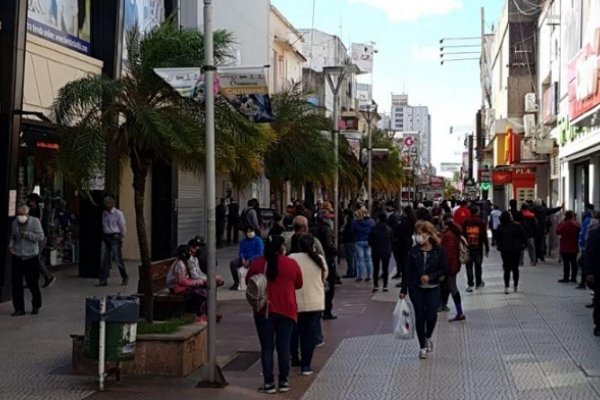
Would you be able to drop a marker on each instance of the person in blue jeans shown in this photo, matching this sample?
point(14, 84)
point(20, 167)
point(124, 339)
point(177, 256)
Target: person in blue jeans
point(421, 280)
point(361, 227)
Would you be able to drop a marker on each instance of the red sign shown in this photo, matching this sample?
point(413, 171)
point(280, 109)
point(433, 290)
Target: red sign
point(524, 172)
point(437, 182)
point(45, 145)
point(583, 76)
point(501, 177)
point(409, 141)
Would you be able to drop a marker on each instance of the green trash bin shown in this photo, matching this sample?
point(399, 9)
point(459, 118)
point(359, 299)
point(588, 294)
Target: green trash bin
point(121, 316)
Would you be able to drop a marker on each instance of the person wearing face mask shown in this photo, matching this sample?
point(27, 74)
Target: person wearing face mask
point(114, 230)
point(427, 265)
point(181, 282)
point(251, 247)
point(24, 247)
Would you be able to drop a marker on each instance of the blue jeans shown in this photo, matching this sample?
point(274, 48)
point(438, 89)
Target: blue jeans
point(111, 249)
point(274, 332)
point(426, 303)
point(350, 251)
point(365, 264)
point(307, 334)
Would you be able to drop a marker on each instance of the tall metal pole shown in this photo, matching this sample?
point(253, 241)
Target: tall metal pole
point(211, 248)
point(336, 182)
point(370, 166)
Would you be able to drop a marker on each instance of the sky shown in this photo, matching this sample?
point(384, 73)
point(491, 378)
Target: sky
point(407, 35)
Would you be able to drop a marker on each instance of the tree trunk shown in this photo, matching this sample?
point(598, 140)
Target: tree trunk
point(140, 169)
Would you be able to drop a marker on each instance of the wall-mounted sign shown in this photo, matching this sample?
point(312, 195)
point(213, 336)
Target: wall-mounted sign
point(450, 167)
point(501, 177)
point(145, 14)
point(362, 56)
point(583, 76)
point(437, 182)
point(66, 22)
point(550, 103)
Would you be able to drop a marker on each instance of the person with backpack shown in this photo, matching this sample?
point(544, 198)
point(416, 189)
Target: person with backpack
point(250, 247)
point(510, 241)
point(451, 242)
point(250, 217)
point(311, 303)
point(272, 281)
point(568, 230)
point(474, 229)
point(380, 240)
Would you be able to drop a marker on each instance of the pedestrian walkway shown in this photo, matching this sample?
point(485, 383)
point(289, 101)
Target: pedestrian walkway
point(535, 344)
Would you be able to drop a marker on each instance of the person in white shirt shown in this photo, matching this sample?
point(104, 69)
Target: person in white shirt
point(113, 233)
point(495, 222)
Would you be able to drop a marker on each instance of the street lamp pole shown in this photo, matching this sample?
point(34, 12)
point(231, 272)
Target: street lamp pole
point(369, 115)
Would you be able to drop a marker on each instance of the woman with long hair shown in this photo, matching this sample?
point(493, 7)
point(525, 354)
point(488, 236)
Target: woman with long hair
point(311, 301)
point(362, 226)
point(426, 268)
point(511, 240)
point(276, 322)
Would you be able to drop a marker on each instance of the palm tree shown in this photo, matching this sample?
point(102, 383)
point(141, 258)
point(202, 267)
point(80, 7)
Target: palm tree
point(138, 118)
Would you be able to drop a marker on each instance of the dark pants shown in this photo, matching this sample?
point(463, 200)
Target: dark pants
point(510, 263)
point(597, 303)
point(538, 241)
point(569, 265)
point(494, 234)
point(307, 335)
point(195, 299)
point(384, 264)
point(232, 232)
point(220, 231)
point(30, 271)
point(112, 250)
point(350, 253)
point(398, 259)
point(448, 288)
point(233, 267)
point(274, 332)
point(330, 292)
point(426, 303)
point(476, 260)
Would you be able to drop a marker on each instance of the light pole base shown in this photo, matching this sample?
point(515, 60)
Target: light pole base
point(219, 383)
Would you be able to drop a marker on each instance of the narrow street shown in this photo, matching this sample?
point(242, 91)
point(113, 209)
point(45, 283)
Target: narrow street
point(535, 344)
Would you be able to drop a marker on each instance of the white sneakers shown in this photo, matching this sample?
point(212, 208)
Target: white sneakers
point(506, 290)
point(429, 345)
point(423, 354)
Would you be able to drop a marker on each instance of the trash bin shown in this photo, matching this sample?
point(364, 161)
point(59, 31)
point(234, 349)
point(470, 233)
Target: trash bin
point(121, 316)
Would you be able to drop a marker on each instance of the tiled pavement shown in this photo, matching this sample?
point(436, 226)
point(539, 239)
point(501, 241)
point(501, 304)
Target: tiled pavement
point(536, 344)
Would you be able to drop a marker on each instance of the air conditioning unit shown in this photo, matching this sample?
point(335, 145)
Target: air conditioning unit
point(530, 103)
point(529, 125)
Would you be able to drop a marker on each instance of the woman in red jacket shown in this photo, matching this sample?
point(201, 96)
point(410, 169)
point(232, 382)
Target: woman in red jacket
point(568, 230)
point(451, 235)
point(275, 325)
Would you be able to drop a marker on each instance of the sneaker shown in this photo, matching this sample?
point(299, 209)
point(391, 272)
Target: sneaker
point(358, 279)
point(18, 313)
point(284, 387)
point(591, 305)
point(481, 285)
point(596, 331)
point(368, 280)
point(375, 290)
point(35, 311)
point(234, 287)
point(563, 281)
point(429, 345)
point(101, 284)
point(306, 372)
point(506, 290)
point(470, 289)
point(443, 309)
point(458, 318)
point(49, 281)
point(320, 344)
point(385, 290)
point(329, 317)
point(124, 282)
point(269, 389)
point(580, 286)
point(423, 354)
point(516, 289)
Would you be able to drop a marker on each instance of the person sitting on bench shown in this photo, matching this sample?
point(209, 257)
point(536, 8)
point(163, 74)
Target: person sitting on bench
point(180, 281)
point(198, 262)
point(250, 248)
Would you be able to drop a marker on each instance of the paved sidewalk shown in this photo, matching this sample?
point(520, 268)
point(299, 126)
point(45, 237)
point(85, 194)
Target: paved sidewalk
point(536, 344)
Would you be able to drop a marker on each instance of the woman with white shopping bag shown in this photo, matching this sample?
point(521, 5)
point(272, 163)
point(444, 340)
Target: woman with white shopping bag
point(426, 268)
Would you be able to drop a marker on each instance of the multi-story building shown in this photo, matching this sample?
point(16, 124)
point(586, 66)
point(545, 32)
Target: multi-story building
point(287, 59)
point(407, 118)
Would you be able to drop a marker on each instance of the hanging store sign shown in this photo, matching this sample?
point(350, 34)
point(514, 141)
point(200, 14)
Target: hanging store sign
point(362, 57)
point(550, 104)
point(501, 177)
point(66, 22)
point(437, 182)
point(583, 76)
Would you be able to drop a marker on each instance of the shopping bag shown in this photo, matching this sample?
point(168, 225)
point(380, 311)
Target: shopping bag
point(242, 272)
point(404, 320)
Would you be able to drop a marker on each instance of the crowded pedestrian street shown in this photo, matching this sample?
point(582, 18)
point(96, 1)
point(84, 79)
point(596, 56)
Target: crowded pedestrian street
point(534, 344)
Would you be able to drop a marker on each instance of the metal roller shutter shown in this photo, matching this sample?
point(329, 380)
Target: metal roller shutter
point(191, 208)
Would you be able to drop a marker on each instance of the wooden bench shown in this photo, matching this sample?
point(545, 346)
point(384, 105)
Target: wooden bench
point(166, 304)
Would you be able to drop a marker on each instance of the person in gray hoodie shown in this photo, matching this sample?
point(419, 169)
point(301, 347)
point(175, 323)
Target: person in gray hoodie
point(24, 247)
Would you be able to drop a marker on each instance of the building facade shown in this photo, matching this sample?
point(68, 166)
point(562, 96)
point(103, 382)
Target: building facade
point(407, 118)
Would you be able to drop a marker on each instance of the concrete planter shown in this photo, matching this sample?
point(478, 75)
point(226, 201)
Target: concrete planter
point(177, 354)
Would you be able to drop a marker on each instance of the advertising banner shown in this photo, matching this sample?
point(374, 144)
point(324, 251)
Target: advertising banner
point(145, 14)
point(362, 57)
point(66, 22)
point(437, 182)
point(450, 167)
point(353, 139)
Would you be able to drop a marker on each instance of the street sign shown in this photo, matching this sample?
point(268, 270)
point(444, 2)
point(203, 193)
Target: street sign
point(485, 185)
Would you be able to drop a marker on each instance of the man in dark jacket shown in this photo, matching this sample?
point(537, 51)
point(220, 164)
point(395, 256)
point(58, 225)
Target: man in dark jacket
point(221, 214)
point(592, 273)
point(322, 231)
point(393, 219)
point(380, 240)
point(474, 229)
point(233, 221)
point(529, 224)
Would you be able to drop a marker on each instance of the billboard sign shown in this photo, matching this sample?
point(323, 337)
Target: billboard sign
point(66, 22)
point(450, 167)
point(145, 14)
point(362, 57)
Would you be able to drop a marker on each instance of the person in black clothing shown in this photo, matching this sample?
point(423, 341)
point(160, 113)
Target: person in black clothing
point(393, 219)
point(542, 213)
point(233, 221)
point(510, 240)
point(349, 246)
point(277, 228)
point(404, 232)
point(221, 214)
point(591, 268)
point(529, 224)
point(514, 211)
point(380, 240)
point(322, 231)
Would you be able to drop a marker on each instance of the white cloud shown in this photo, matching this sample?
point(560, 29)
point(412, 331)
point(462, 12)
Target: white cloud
point(412, 10)
point(427, 53)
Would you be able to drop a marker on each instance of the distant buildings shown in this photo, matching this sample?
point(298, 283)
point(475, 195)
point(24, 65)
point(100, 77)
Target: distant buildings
point(407, 118)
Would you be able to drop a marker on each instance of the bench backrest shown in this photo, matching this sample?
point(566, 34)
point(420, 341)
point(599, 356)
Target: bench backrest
point(158, 271)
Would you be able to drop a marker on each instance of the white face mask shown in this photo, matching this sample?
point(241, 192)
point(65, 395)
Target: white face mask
point(22, 219)
point(250, 235)
point(420, 239)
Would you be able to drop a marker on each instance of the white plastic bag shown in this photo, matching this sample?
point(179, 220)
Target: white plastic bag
point(404, 320)
point(242, 272)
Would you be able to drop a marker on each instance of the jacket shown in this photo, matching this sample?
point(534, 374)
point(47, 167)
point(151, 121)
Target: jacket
point(479, 239)
point(311, 297)
point(569, 235)
point(233, 215)
point(436, 267)
point(529, 223)
point(282, 291)
point(324, 233)
point(541, 215)
point(348, 232)
point(511, 237)
point(461, 215)
point(591, 256)
point(362, 229)
point(451, 245)
point(28, 245)
point(380, 240)
point(251, 248)
point(179, 278)
point(587, 218)
point(404, 232)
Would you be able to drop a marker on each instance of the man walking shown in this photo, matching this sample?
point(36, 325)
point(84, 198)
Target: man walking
point(475, 231)
point(113, 233)
point(33, 202)
point(233, 221)
point(221, 215)
point(24, 247)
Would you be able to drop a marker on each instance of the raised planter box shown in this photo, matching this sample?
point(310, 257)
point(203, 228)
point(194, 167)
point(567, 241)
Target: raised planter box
point(177, 354)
